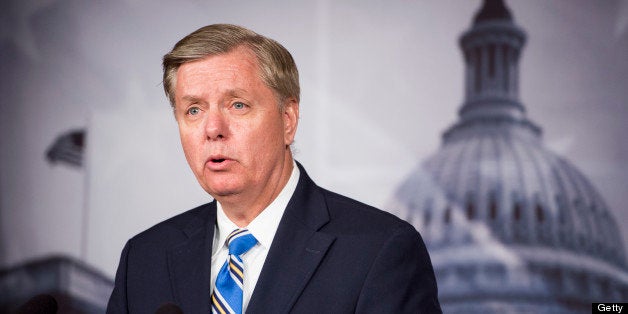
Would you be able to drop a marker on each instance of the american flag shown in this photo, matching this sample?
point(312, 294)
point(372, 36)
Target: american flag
point(68, 148)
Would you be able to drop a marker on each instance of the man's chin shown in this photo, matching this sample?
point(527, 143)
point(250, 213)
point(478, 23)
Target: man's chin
point(222, 192)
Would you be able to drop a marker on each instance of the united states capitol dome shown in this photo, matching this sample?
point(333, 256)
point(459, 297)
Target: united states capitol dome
point(511, 226)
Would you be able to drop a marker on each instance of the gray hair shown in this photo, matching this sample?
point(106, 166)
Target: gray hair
point(277, 68)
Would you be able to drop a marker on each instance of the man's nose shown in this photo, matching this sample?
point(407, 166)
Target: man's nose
point(216, 125)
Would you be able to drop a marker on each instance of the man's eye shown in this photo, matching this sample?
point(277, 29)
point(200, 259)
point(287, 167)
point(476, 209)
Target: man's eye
point(193, 111)
point(239, 105)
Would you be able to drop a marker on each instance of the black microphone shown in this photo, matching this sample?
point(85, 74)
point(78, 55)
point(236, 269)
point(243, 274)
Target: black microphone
point(169, 308)
point(39, 304)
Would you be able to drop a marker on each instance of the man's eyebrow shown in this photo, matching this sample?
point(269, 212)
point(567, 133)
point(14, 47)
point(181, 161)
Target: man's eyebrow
point(191, 98)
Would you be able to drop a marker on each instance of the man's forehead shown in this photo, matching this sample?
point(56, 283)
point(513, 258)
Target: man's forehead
point(215, 68)
point(218, 71)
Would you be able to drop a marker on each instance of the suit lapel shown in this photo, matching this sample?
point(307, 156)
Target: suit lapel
point(296, 251)
point(189, 264)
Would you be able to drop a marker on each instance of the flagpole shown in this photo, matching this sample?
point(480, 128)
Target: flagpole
point(85, 210)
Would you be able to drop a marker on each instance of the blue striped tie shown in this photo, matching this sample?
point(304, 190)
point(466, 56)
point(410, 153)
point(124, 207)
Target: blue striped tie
point(227, 295)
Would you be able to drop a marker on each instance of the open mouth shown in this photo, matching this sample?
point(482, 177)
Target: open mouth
point(217, 160)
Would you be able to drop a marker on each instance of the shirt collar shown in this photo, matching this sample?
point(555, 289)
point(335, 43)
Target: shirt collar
point(264, 226)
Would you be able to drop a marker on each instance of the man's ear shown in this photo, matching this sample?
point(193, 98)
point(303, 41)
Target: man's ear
point(290, 117)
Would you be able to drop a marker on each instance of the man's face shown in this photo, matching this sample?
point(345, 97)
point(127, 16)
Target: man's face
point(234, 135)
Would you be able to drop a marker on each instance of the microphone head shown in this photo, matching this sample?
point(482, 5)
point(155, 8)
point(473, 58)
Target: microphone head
point(39, 304)
point(169, 308)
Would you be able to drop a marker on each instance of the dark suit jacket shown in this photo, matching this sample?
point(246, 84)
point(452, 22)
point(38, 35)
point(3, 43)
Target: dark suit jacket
point(330, 254)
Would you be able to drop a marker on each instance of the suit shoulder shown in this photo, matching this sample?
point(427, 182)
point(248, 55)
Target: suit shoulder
point(174, 228)
point(348, 211)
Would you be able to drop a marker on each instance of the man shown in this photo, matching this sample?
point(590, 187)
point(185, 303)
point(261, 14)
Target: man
point(271, 241)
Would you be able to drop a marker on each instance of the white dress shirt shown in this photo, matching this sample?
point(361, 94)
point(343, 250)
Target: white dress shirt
point(263, 228)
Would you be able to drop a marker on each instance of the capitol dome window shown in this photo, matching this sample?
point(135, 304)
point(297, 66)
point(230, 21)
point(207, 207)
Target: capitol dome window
point(492, 205)
point(470, 207)
point(540, 216)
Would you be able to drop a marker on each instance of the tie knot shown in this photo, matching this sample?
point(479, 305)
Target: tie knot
point(240, 241)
